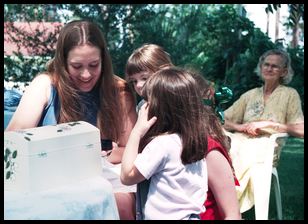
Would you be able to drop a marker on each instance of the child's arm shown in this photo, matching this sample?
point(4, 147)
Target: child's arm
point(221, 183)
point(129, 173)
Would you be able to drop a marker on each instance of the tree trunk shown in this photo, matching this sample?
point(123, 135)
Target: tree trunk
point(277, 24)
point(267, 22)
point(295, 28)
point(295, 35)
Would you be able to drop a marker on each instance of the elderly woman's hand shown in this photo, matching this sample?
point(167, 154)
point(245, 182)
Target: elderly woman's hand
point(252, 128)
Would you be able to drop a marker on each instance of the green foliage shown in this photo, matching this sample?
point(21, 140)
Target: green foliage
point(20, 68)
point(31, 12)
point(211, 38)
point(241, 76)
point(117, 22)
point(296, 12)
point(297, 62)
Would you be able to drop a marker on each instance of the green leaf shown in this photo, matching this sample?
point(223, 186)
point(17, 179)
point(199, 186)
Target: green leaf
point(27, 138)
point(14, 155)
point(7, 151)
point(269, 8)
point(276, 6)
point(7, 165)
point(8, 175)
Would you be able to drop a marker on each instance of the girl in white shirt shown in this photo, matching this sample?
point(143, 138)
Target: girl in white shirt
point(168, 145)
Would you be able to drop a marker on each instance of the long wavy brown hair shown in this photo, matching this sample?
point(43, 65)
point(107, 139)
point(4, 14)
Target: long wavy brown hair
point(174, 98)
point(215, 128)
point(110, 112)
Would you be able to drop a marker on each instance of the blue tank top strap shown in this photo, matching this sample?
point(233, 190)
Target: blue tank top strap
point(89, 100)
point(51, 111)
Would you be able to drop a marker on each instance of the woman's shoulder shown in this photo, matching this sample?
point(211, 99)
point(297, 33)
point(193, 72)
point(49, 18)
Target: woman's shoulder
point(251, 94)
point(253, 91)
point(214, 144)
point(41, 86)
point(287, 89)
point(40, 83)
point(42, 79)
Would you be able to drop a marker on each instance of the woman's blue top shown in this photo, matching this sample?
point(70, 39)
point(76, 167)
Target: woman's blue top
point(90, 100)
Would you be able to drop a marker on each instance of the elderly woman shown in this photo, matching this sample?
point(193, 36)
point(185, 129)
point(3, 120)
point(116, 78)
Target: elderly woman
point(259, 112)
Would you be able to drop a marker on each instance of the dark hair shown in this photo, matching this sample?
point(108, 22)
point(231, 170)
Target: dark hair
point(110, 111)
point(215, 128)
point(174, 98)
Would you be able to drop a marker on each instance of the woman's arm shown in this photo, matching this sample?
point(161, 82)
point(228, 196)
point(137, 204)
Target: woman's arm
point(221, 183)
point(32, 104)
point(296, 130)
point(231, 126)
point(255, 128)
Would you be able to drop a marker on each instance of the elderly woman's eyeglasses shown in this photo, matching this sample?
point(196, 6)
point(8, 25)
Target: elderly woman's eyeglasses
point(272, 66)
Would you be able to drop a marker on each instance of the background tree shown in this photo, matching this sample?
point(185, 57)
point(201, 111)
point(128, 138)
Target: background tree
point(40, 47)
point(295, 20)
point(215, 39)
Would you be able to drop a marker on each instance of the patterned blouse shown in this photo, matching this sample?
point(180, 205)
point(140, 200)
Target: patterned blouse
point(283, 106)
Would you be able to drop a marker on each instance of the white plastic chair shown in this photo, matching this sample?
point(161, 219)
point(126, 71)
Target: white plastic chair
point(277, 193)
point(263, 179)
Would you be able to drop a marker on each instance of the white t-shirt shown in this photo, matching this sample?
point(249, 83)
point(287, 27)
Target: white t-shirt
point(176, 191)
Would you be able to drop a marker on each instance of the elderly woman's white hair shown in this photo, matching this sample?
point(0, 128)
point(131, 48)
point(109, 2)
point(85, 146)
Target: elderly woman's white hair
point(286, 64)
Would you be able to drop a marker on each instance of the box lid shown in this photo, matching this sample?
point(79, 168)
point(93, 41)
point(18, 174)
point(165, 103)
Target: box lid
point(53, 137)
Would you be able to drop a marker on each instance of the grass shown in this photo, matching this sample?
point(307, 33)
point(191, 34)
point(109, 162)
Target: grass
point(291, 179)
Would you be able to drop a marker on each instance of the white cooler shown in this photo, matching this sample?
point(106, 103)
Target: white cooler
point(51, 156)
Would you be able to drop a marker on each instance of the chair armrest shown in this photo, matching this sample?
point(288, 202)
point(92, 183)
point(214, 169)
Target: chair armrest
point(278, 135)
point(276, 143)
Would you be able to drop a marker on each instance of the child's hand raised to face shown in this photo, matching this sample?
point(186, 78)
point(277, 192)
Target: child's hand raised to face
point(143, 124)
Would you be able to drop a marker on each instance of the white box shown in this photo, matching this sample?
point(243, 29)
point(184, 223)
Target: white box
point(46, 157)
